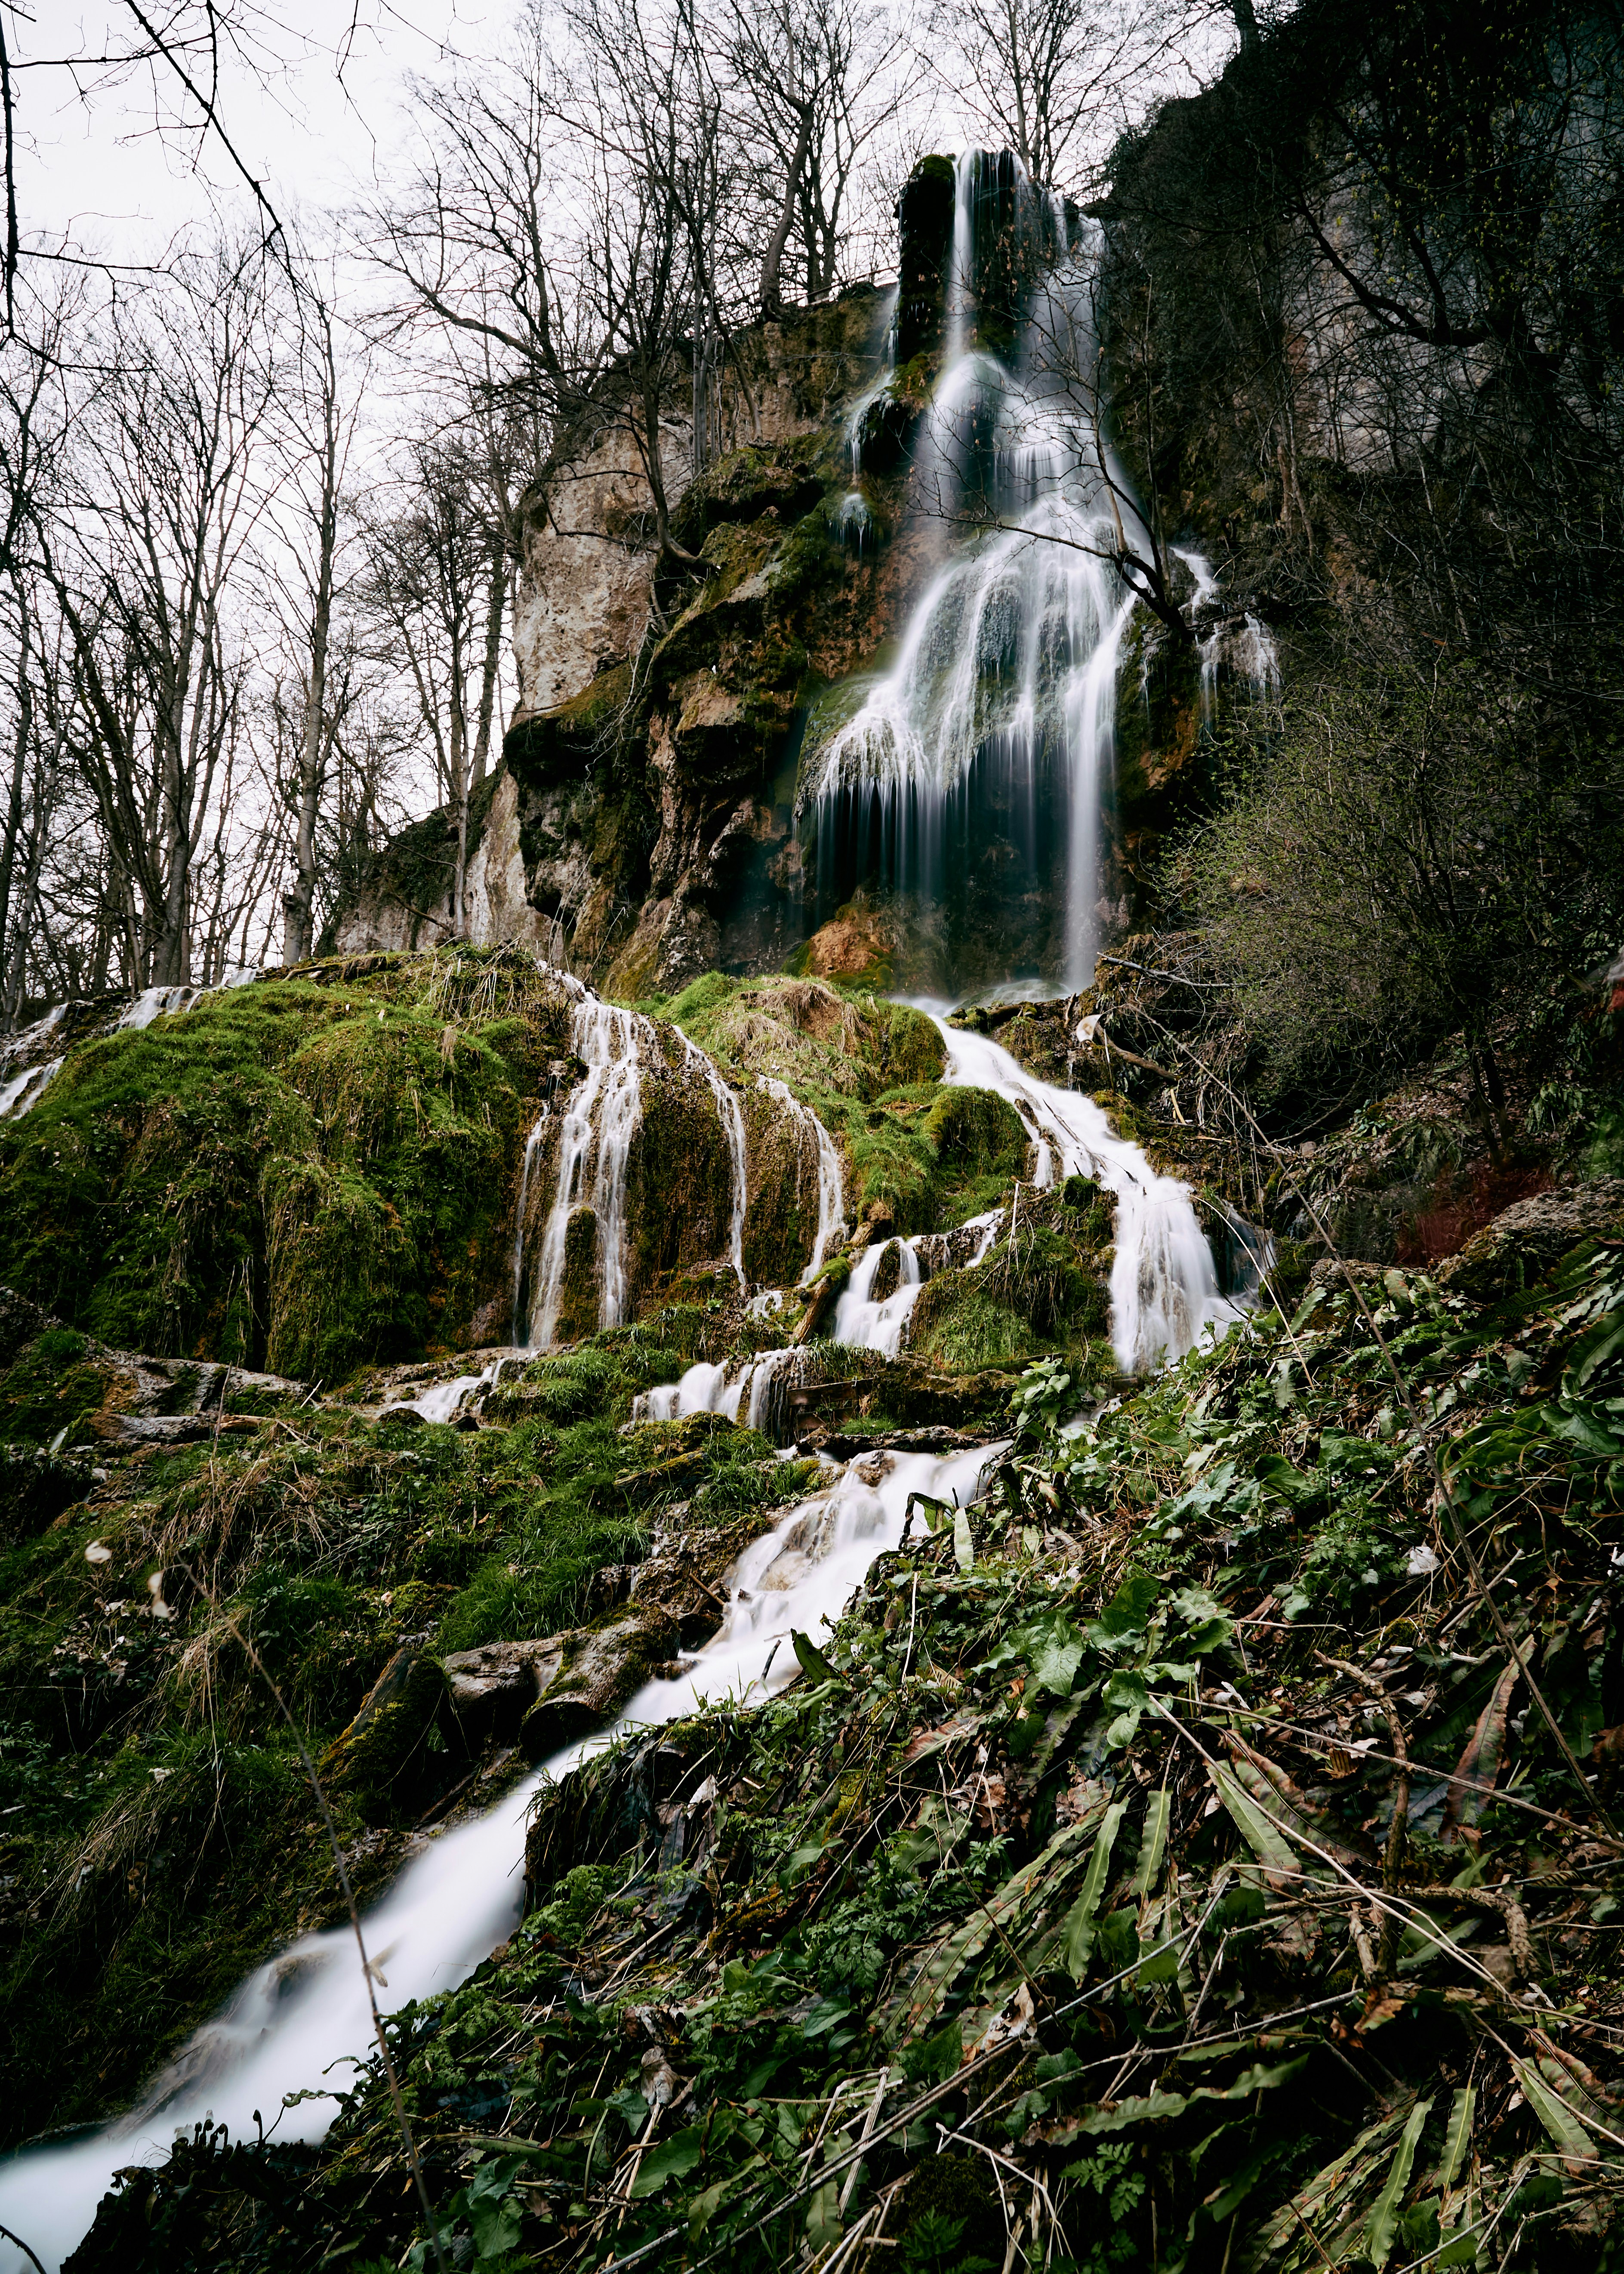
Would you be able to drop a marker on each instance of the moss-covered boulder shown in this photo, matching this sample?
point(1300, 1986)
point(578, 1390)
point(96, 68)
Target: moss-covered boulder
point(390, 1759)
point(308, 1172)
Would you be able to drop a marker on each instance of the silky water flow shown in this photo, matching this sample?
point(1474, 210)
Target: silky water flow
point(1040, 598)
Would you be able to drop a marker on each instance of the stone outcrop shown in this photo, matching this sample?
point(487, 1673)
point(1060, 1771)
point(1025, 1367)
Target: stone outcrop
point(1525, 1241)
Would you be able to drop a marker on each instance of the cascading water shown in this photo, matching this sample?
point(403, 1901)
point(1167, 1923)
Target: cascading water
point(595, 1139)
point(879, 1326)
point(831, 1176)
point(969, 779)
point(1164, 1289)
point(305, 2014)
point(733, 1128)
point(1000, 709)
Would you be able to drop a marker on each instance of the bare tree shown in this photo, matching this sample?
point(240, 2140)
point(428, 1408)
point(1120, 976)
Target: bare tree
point(318, 399)
point(427, 580)
point(816, 78)
point(163, 497)
point(1050, 79)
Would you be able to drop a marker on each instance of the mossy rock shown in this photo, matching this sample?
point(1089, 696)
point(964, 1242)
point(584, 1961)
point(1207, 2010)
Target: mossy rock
point(978, 1132)
point(601, 1669)
point(387, 1759)
point(317, 1170)
point(745, 485)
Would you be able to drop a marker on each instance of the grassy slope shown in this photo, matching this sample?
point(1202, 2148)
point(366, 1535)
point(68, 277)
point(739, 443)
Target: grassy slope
point(1076, 1843)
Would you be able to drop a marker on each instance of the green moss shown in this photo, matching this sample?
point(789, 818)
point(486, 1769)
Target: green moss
point(305, 1171)
point(958, 1322)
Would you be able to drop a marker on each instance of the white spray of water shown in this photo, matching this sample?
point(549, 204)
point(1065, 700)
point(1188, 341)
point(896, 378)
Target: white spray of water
point(595, 1139)
point(1008, 664)
point(744, 1390)
point(302, 2022)
point(1164, 1287)
point(25, 1088)
point(732, 1119)
point(879, 1326)
point(532, 1146)
point(831, 1177)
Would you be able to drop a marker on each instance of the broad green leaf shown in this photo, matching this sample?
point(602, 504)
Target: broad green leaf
point(667, 2159)
point(1604, 1340)
point(1461, 2252)
point(1056, 1664)
point(964, 1544)
point(824, 2215)
point(1152, 1841)
point(812, 1659)
point(1078, 1934)
point(936, 2056)
point(1132, 1605)
point(1553, 2111)
point(1383, 2219)
point(1457, 2139)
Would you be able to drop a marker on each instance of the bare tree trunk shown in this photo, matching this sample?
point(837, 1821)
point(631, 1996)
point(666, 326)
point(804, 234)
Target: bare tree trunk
point(14, 808)
point(298, 904)
point(491, 662)
point(772, 259)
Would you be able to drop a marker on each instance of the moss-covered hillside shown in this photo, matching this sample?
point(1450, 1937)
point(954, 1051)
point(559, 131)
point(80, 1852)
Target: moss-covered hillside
point(1201, 1854)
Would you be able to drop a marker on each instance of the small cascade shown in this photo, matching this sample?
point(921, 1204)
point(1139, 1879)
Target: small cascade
point(26, 1088)
point(27, 1071)
point(733, 1128)
point(304, 2017)
point(749, 1391)
point(532, 1146)
point(595, 1139)
point(1252, 655)
point(879, 1326)
point(831, 1177)
point(1164, 1286)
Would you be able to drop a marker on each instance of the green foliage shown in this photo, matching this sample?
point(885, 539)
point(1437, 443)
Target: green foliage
point(1380, 851)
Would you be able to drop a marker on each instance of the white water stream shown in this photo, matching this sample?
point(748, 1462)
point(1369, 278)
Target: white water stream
point(1010, 661)
point(1007, 669)
point(302, 2022)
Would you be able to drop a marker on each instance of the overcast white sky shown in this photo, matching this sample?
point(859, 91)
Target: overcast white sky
point(93, 167)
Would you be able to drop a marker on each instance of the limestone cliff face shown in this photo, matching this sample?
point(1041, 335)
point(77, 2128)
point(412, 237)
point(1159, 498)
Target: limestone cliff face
point(641, 826)
point(637, 781)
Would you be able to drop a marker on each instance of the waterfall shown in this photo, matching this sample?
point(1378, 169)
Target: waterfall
point(749, 1390)
point(304, 2016)
point(532, 1146)
point(733, 1128)
point(996, 722)
point(868, 1325)
point(595, 1139)
point(1164, 1287)
point(831, 1178)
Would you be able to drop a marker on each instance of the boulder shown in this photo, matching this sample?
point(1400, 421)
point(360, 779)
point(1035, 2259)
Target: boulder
point(549, 1692)
point(384, 1757)
point(1524, 1241)
point(600, 1668)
